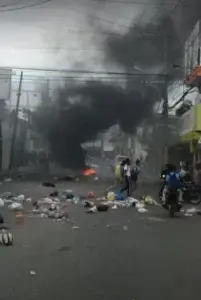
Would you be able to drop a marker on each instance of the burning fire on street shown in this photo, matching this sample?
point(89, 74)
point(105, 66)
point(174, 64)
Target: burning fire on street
point(88, 172)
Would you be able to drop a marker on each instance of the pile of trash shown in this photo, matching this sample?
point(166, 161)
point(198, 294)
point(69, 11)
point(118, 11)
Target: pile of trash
point(14, 202)
point(56, 205)
point(115, 201)
point(51, 207)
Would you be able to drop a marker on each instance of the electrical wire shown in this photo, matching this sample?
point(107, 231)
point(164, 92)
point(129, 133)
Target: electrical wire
point(156, 15)
point(83, 71)
point(141, 3)
point(53, 49)
point(111, 22)
point(12, 4)
point(25, 6)
point(116, 15)
point(128, 2)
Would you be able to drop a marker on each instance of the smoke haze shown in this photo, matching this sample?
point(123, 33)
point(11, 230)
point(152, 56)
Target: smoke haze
point(80, 113)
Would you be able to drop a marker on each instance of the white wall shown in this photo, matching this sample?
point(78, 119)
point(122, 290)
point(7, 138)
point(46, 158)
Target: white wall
point(191, 49)
point(6, 137)
point(5, 83)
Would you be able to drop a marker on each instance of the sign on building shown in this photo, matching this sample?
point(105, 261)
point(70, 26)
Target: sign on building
point(192, 49)
point(187, 122)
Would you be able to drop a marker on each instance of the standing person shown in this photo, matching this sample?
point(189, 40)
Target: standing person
point(126, 174)
point(197, 176)
point(135, 171)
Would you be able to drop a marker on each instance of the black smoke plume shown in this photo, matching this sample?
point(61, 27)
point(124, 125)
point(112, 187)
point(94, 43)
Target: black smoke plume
point(191, 13)
point(80, 113)
point(152, 46)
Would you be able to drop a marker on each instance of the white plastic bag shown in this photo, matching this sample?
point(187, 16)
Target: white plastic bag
point(142, 210)
point(114, 207)
point(47, 200)
point(1, 202)
point(139, 205)
point(132, 200)
point(29, 200)
point(15, 206)
point(191, 210)
point(20, 198)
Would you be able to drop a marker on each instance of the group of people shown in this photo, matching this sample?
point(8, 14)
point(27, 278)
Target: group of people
point(129, 175)
point(173, 180)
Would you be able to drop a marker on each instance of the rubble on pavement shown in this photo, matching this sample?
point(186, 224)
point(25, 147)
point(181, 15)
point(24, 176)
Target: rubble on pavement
point(115, 201)
point(56, 204)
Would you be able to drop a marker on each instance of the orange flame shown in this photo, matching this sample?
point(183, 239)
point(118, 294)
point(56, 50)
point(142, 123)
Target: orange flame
point(88, 172)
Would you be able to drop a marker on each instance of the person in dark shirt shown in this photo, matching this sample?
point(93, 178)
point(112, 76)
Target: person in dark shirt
point(197, 175)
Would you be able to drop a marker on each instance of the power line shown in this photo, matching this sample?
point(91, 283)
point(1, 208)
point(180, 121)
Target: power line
point(127, 2)
point(111, 22)
point(51, 49)
point(31, 78)
point(25, 6)
point(12, 4)
point(158, 10)
point(116, 15)
point(83, 71)
point(143, 3)
point(179, 2)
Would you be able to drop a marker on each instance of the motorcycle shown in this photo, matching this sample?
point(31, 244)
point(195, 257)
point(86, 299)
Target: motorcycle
point(191, 194)
point(172, 203)
point(172, 196)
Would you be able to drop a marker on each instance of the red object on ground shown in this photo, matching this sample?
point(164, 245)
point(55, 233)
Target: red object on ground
point(91, 195)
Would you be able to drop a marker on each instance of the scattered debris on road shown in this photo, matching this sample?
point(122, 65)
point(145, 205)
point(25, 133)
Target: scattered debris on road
point(75, 227)
point(92, 209)
point(7, 180)
point(6, 238)
point(49, 184)
point(190, 212)
point(33, 273)
point(1, 202)
point(125, 227)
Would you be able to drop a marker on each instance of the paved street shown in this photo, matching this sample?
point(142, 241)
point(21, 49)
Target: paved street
point(115, 255)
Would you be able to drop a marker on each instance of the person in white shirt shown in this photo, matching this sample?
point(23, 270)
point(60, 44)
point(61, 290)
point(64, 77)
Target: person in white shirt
point(127, 177)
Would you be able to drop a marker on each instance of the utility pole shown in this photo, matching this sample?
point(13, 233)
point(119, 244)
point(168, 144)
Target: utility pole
point(2, 111)
point(13, 141)
point(165, 101)
point(27, 126)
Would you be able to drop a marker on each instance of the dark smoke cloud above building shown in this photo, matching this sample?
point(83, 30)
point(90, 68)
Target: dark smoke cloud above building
point(149, 46)
point(80, 113)
point(97, 106)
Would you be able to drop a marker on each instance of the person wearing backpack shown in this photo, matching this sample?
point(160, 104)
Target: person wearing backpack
point(172, 184)
point(126, 175)
point(135, 171)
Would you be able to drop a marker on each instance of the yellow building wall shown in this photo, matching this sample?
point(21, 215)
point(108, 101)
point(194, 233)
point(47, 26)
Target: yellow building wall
point(198, 117)
point(194, 135)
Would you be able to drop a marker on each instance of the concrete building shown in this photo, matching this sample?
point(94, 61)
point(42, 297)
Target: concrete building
point(188, 109)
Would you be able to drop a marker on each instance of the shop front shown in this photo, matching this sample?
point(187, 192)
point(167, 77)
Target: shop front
point(190, 132)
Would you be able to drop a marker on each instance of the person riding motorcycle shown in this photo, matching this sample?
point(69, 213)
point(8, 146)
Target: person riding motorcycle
point(172, 185)
point(164, 173)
